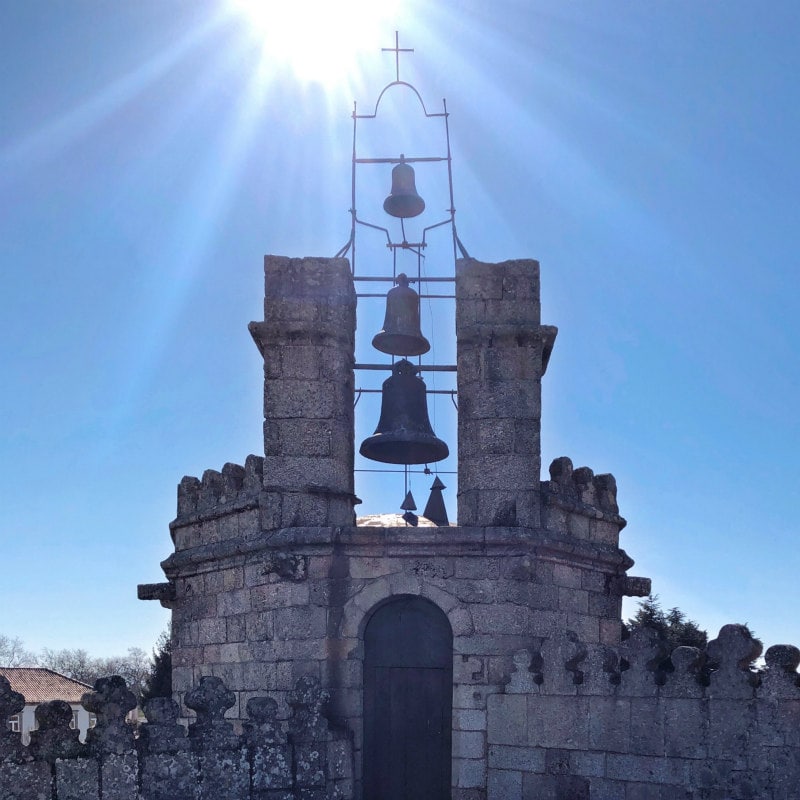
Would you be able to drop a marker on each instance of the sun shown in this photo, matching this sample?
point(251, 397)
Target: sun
point(319, 41)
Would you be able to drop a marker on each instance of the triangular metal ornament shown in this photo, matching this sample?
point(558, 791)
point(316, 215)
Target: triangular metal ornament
point(409, 504)
point(435, 509)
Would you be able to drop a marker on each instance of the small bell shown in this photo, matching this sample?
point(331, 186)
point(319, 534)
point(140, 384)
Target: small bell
point(401, 334)
point(403, 201)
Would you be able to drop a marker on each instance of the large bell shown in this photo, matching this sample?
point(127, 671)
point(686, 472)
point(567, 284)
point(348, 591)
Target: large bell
point(401, 334)
point(403, 201)
point(404, 434)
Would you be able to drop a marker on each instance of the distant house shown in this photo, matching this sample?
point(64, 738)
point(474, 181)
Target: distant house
point(39, 685)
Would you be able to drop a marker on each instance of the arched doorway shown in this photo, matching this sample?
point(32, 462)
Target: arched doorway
point(408, 701)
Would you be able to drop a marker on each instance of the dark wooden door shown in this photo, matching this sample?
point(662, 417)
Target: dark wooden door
point(408, 687)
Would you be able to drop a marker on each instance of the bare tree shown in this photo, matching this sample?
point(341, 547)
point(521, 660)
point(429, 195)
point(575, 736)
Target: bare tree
point(14, 654)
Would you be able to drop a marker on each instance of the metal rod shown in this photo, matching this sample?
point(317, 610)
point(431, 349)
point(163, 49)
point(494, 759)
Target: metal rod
point(422, 296)
point(393, 278)
point(422, 367)
point(451, 392)
point(414, 160)
point(412, 471)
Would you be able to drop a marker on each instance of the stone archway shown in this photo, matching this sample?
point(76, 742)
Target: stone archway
point(408, 688)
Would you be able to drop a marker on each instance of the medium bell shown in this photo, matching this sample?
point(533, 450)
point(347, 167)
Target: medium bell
point(404, 434)
point(403, 201)
point(401, 334)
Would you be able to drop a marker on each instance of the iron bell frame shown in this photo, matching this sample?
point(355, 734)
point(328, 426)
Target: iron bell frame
point(359, 163)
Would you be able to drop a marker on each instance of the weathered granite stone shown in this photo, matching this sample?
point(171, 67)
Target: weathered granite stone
point(731, 654)
point(54, 739)
point(308, 731)
point(78, 779)
point(167, 764)
point(110, 701)
point(221, 761)
point(11, 703)
point(268, 752)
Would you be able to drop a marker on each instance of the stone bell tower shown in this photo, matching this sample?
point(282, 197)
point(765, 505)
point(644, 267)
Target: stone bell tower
point(411, 630)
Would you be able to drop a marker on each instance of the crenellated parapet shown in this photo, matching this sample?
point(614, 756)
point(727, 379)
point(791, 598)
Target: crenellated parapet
point(684, 723)
point(272, 760)
point(578, 503)
point(222, 505)
point(221, 491)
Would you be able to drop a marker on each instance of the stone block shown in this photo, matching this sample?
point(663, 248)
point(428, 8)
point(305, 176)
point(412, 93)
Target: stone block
point(469, 719)
point(469, 744)
point(648, 769)
point(647, 726)
point(561, 722)
point(33, 781)
point(300, 622)
point(259, 626)
point(610, 724)
point(555, 787)
point(477, 568)
point(523, 759)
point(168, 776)
point(500, 618)
point(211, 631)
point(573, 600)
point(468, 773)
point(565, 575)
point(236, 628)
point(507, 720)
point(504, 784)
point(119, 777)
point(590, 765)
point(283, 594)
point(75, 779)
point(233, 602)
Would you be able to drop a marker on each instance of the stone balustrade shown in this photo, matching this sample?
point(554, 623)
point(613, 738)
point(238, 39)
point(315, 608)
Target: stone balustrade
point(164, 761)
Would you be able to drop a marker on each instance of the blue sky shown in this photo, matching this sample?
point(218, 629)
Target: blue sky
point(152, 152)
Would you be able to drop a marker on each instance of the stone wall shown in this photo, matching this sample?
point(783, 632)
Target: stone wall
point(634, 722)
point(272, 582)
point(266, 762)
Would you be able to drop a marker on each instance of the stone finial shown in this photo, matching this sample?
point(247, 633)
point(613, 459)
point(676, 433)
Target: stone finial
point(644, 653)
point(269, 753)
point(688, 664)
point(11, 703)
point(110, 702)
point(53, 738)
point(163, 733)
point(210, 699)
point(781, 679)
point(731, 654)
point(306, 723)
point(563, 656)
point(263, 727)
point(523, 680)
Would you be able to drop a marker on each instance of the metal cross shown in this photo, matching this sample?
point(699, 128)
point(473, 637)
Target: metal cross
point(397, 50)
